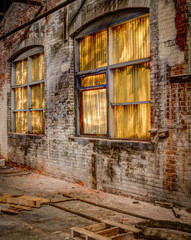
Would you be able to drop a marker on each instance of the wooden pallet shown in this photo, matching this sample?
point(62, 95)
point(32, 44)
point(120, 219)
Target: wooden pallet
point(107, 230)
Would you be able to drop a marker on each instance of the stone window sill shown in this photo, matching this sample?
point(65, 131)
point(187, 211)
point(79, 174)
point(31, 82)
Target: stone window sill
point(15, 135)
point(136, 144)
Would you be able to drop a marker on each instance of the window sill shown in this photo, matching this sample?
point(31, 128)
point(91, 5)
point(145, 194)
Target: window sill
point(135, 144)
point(15, 135)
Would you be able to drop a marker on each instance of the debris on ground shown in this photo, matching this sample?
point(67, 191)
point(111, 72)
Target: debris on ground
point(19, 202)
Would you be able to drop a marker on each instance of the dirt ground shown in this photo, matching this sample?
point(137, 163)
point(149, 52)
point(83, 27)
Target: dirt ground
point(48, 222)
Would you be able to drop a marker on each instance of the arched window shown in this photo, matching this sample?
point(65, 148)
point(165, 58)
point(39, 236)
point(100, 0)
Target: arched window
point(27, 92)
point(112, 68)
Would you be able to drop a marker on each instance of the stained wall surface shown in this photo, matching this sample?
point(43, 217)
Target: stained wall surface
point(158, 169)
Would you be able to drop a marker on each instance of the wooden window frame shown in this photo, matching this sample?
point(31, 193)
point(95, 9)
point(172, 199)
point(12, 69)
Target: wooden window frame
point(109, 80)
point(26, 55)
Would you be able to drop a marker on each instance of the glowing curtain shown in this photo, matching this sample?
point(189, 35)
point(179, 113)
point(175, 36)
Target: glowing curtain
point(21, 122)
point(38, 67)
point(38, 101)
point(93, 51)
point(21, 72)
point(93, 80)
point(131, 40)
point(94, 111)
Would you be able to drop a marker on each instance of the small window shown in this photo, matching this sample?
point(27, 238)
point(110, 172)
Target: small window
point(28, 100)
point(113, 81)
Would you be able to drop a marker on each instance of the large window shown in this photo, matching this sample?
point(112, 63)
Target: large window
point(113, 81)
point(28, 103)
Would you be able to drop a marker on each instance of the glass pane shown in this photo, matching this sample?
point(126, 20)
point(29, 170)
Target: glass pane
point(132, 121)
point(38, 96)
point(93, 51)
point(94, 109)
point(38, 67)
point(38, 123)
point(131, 40)
point(93, 80)
point(20, 98)
point(21, 122)
point(132, 83)
point(21, 72)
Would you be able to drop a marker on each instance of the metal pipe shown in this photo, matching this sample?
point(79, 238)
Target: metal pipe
point(67, 2)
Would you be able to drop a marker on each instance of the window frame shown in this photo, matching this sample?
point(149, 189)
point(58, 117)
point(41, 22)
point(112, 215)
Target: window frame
point(26, 55)
point(109, 69)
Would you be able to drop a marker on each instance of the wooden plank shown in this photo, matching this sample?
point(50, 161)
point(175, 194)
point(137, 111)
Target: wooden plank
point(20, 201)
point(64, 200)
point(39, 199)
point(122, 236)
point(20, 207)
point(9, 211)
point(109, 232)
point(122, 226)
point(96, 227)
point(76, 231)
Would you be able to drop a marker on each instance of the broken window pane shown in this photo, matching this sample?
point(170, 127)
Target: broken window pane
point(93, 51)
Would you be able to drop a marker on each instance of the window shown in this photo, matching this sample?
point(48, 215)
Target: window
point(28, 104)
point(113, 81)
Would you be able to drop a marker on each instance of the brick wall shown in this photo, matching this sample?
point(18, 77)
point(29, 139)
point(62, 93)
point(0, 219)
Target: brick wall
point(158, 169)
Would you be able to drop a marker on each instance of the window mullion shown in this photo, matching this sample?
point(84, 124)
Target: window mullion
point(110, 84)
point(29, 78)
point(13, 99)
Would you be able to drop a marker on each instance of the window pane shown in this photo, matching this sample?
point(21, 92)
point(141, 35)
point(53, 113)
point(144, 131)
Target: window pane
point(38, 96)
point(20, 98)
point(21, 72)
point(94, 109)
point(93, 51)
point(93, 80)
point(21, 122)
point(38, 67)
point(131, 40)
point(132, 121)
point(38, 123)
point(132, 83)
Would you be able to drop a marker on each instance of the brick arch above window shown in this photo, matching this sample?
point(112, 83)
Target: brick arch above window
point(112, 69)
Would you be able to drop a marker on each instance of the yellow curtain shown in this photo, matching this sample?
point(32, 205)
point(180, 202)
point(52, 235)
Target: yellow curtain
point(38, 96)
point(93, 80)
point(21, 72)
point(93, 51)
point(21, 98)
point(21, 122)
point(38, 67)
point(131, 40)
point(94, 111)
point(132, 83)
point(132, 121)
point(38, 123)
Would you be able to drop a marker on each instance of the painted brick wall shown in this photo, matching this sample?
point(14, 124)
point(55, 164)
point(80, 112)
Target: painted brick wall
point(158, 169)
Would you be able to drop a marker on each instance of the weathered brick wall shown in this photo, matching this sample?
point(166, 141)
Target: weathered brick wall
point(158, 169)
